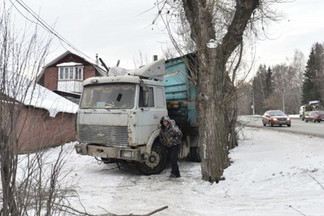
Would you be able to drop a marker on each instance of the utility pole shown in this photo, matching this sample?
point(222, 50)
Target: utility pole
point(253, 105)
point(283, 100)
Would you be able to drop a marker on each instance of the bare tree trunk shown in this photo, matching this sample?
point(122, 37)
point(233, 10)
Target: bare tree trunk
point(232, 118)
point(213, 136)
point(213, 94)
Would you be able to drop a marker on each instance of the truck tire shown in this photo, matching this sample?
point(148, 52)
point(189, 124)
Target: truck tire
point(155, 162)
point(195, 154)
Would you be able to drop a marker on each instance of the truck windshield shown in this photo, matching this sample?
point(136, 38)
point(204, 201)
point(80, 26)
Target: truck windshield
point(108, 96)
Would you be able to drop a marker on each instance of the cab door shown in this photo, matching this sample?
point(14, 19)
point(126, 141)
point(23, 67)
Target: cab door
point(149, 112)
point(160, 102)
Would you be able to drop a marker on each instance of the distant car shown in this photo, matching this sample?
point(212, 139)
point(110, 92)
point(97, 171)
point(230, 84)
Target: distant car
point(276, 117)
point(315, 116)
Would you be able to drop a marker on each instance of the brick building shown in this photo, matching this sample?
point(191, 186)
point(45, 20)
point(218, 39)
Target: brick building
point(37, 130)
point(33, 117)
point(64, 75)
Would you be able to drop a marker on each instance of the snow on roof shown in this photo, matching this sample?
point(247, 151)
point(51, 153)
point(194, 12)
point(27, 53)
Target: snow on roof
point(33, 94)
point(112, 79)
point(118, 71)
point(69, 64)
point(154, 70)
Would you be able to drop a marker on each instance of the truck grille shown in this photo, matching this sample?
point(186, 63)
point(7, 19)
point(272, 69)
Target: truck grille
point(107, 135)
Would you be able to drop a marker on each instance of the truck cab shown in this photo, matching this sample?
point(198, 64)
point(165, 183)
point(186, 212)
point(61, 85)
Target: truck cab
point(119, 117)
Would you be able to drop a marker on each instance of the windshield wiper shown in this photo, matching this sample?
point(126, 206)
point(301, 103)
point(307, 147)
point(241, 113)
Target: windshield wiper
point(88, 107)
point(109, 106)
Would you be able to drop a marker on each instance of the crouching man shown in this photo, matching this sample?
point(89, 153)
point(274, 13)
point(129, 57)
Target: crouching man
point(170, 136)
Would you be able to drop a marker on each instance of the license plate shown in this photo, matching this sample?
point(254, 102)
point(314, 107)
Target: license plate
point(100, 154)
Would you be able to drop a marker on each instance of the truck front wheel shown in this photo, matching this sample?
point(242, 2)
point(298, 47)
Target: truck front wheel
point(155, 162)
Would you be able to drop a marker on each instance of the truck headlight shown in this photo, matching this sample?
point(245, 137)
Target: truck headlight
point(126, 154)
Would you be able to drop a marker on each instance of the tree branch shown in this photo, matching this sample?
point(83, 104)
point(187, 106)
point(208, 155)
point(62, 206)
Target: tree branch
point(148, 214)
point(234, 35)
point(317, 182)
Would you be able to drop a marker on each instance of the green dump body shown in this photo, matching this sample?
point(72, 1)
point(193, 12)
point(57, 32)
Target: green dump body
point(181, 92)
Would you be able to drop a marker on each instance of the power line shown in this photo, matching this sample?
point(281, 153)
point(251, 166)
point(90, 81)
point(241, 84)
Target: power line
point(47, 27)
point(22, 13)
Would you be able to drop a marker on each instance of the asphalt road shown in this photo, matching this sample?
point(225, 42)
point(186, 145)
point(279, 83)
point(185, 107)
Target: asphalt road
point(297, 126)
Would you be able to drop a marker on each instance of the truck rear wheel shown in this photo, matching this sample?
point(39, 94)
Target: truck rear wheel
point(195, 154)
point(155, 162)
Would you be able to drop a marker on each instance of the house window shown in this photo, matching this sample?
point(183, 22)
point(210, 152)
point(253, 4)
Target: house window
point(78, 73)
point(66, 73)
point(71, 73)
point(61, 73)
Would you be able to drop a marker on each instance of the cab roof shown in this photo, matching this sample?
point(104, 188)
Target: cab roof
point(121, 79)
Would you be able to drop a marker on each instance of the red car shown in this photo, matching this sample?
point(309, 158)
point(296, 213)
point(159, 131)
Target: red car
point(275, 117)
point(315, 116)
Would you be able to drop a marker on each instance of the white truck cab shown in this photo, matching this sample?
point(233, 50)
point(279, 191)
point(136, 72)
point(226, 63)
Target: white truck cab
point(119, 116)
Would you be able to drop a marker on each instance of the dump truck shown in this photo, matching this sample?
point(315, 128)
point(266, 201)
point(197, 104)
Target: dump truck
point(119, 115)
point(307, 108)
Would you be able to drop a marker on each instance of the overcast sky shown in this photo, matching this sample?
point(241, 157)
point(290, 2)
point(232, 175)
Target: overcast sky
point(118, 29)
point(301, 27)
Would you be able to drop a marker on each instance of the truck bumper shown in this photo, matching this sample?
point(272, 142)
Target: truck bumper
point(121, 153)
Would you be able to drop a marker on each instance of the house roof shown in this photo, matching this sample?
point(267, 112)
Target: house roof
point(32, 94)
point(54, 61)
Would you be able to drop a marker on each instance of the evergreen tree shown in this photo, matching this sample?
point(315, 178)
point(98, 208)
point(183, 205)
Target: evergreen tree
point(268, 83)
point(259, 89)
point(311, 90)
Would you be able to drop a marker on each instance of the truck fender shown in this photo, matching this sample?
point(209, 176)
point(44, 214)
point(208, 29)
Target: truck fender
point(150, 142)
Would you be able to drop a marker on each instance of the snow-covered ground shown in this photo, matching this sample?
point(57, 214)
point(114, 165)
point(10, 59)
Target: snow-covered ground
point(272, 173)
